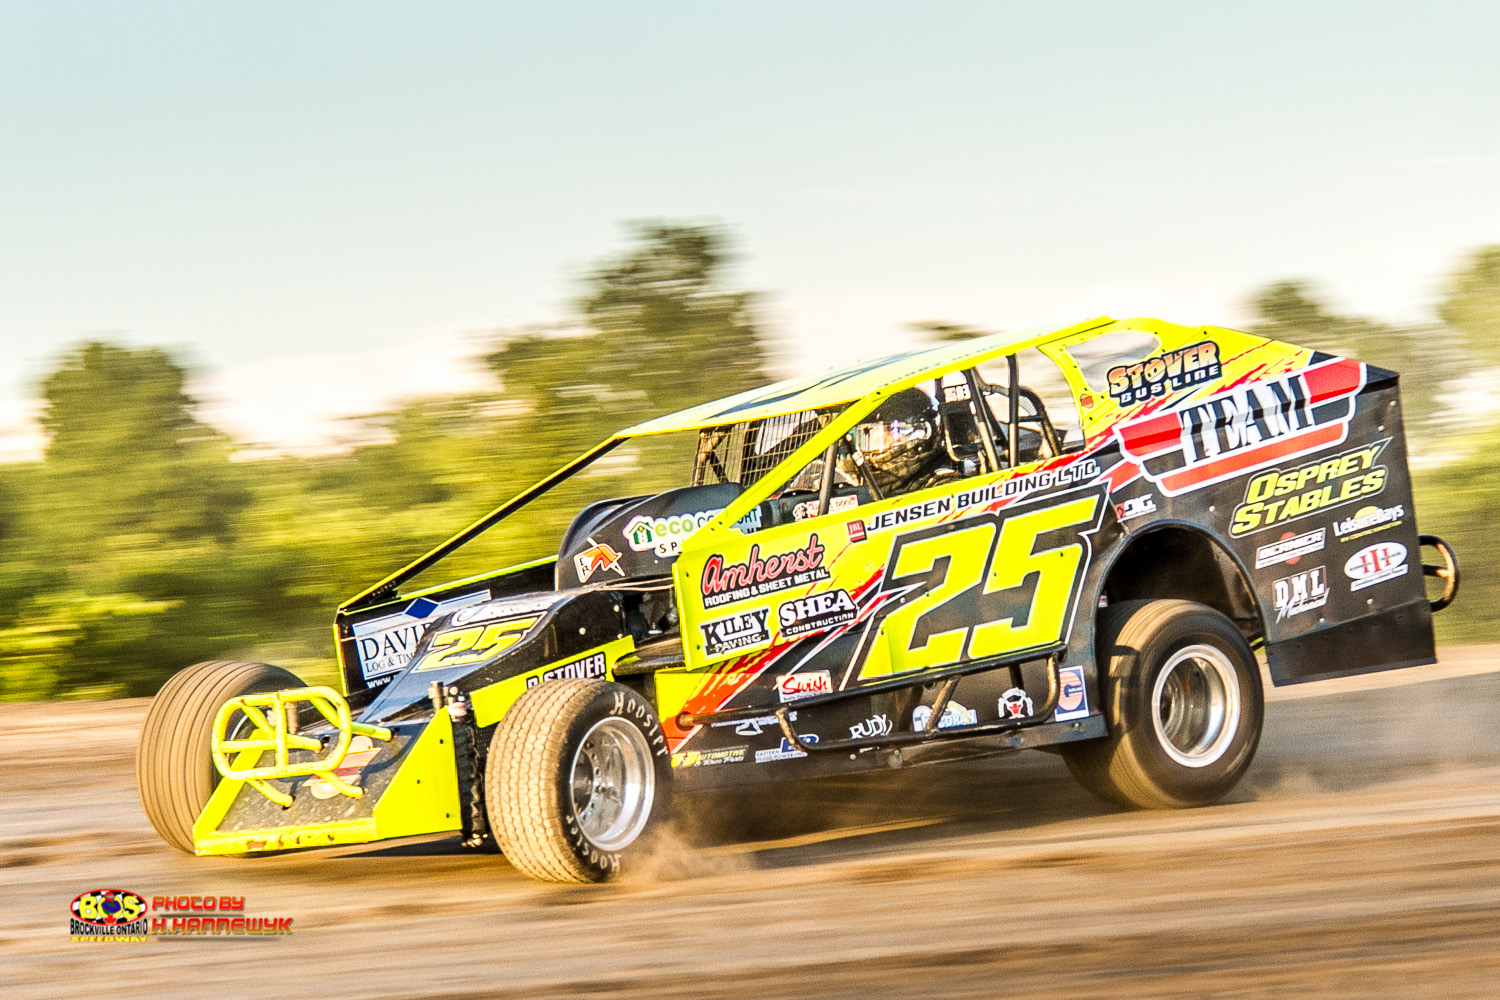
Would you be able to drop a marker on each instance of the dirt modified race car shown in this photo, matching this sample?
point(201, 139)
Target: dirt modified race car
point(898, 562)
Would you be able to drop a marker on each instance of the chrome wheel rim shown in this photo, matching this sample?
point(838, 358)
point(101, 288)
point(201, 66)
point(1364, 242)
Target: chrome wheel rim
point(612, 784)
point(1195, 705)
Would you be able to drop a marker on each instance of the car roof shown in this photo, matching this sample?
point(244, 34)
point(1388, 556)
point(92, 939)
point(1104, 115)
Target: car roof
point(841, 385)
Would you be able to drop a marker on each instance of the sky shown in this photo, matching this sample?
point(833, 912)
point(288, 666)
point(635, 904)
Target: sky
point(325, 206)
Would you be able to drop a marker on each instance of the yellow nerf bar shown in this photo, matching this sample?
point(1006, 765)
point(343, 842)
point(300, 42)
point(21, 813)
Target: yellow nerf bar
point(272, 734)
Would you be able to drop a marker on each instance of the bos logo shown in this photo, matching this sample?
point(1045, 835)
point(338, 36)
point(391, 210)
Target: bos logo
point(107, 913)
point(1073, 697)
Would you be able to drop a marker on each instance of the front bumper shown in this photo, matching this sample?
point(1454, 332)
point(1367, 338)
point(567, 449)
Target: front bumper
point(409, 786)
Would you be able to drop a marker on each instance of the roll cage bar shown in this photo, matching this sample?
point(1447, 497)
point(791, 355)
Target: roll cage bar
point(826, 442)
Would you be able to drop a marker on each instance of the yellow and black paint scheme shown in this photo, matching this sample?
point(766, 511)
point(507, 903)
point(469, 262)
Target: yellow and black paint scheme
point(289, 785)
point(1264, 479)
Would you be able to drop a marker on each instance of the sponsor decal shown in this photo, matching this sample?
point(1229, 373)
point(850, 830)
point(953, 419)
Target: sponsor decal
point(1135, 507)
point(1290, 547)
point(504, 607)
point(464, 647)
point(805, 684)
point(1014, 704)
point(362, 750)
point(1276, 497)
point(749, 523)
point(709, 758)
point(664, 535)
point(1376, 564)
point(956, 393)
point(1083, 471)
point(724, 584)
point(1367, 521)
point(1169, 372)
point(593, 665)
point(596, 558)
point(876, 725)
point(1073, 474)
point(725, 635)
point(107, 915)
point(1245, 428)
point(809, 508)
point(786, 751)
point(953, 715)
point(1300, 592)
point(815, 613)
point(385, 644)
point(856, 530)
point(1073, 696)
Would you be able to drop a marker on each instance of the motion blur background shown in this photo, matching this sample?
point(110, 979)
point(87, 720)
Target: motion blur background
point(290, 291)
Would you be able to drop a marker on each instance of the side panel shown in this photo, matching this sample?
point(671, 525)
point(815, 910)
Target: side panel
point(969, 571)
point(375, 644)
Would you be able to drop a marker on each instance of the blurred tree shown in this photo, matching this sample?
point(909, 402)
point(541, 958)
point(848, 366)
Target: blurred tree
point(1472, 306)
point(942, 331)
point(663, 333)
point(1425, 359)
point(125, 455)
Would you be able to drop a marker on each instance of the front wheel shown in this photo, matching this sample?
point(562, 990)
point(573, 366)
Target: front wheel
point(577, 773)
point(1182, 696)
point(174, 768)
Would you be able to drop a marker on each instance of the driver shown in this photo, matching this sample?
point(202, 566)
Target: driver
point(902, 444)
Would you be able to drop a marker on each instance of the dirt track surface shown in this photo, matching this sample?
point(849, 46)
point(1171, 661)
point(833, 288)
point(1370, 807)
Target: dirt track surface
point(1361, 858)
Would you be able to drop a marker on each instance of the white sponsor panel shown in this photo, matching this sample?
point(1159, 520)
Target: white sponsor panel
point(953, 715)
point(1369, 519)
point(1073, 696)
point(1289, 548)
point(805, 684)
point(816, 612)
point(809, 508)
point(1376, 564)
point(385, 644)
point(665, 535)
point(725, 635)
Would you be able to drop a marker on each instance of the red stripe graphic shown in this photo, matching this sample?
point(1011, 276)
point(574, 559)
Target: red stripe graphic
point(1318, 437)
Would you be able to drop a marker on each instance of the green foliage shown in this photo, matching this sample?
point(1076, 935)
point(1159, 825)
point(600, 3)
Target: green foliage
point(137, 546)
point(1457, 501)
point(1424, 356)
point(1472, 306)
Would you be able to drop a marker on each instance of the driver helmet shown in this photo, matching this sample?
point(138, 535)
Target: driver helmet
point(900, 439)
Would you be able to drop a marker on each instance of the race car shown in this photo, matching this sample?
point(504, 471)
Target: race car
point(917, 559)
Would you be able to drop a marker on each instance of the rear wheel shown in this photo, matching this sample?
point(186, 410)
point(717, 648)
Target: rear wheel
point(1182, 696)
point(578, 772)
point(174, 770)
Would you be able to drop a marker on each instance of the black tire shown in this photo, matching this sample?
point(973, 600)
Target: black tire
point(174, 769)
point(543, 826)
point(1171, 754)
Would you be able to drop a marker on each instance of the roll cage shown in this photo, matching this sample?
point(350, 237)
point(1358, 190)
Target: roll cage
point(846, 396)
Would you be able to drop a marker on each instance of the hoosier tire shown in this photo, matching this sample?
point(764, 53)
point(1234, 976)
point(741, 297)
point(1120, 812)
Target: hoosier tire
point(1182, 695)
point(174, 770)
point(578, 770)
